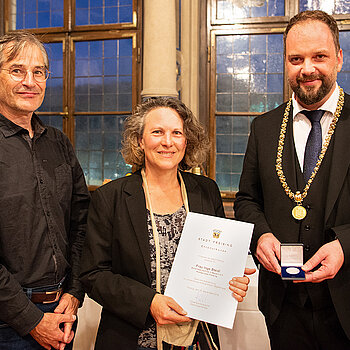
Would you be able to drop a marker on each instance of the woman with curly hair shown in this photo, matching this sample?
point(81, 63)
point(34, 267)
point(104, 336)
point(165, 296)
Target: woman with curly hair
point(134, 227)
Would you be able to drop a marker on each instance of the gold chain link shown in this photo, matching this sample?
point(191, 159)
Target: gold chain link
point(298, 197)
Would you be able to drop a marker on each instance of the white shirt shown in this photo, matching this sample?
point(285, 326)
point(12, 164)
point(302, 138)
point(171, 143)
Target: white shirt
point(302, 125)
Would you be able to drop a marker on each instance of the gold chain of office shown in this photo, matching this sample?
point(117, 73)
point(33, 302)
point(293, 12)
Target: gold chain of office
point(299, 212)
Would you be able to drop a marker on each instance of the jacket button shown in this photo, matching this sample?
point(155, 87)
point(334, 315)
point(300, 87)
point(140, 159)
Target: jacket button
point(307, 248)
point(307, 227)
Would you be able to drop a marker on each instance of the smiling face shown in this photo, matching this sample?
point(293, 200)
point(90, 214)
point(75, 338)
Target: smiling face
point(24, 97)
point(163, 139)
point(312, 62)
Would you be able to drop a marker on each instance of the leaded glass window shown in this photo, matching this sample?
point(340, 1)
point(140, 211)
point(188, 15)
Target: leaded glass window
point(90, 12)
point(332, 7)
point(30, 14)
point(103, 82)
point(53, 101)
point(231, 10)
point(249, 79)
point(95, 80)
point(344, 75)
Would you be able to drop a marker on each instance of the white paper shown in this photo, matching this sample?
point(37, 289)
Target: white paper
point(211, 251)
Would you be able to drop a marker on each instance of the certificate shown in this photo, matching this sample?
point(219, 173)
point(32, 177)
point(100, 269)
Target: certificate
point(211, 251)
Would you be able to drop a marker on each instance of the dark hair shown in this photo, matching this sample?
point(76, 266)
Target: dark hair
point(316, 15)
point(197, 140)
point(13, 44)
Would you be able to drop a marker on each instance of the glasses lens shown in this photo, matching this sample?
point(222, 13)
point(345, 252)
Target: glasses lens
point(17, 74)
point(40, 75)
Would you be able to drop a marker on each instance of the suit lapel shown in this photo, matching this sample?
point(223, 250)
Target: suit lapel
point(137, 211)
point(136, 206)
point(340, 158)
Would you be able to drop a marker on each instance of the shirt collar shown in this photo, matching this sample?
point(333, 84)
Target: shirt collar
point(330, 105)
point(8, 128)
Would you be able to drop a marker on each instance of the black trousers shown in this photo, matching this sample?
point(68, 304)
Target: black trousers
point(307, 328)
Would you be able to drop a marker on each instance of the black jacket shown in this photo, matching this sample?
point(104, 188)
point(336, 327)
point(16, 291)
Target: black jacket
point(116, 259)
point(262, 201)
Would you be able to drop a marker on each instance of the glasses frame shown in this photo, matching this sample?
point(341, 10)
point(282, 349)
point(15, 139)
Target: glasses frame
point(9, 70)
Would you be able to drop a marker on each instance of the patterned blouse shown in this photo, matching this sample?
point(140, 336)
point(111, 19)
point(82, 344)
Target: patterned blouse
point(169, 228)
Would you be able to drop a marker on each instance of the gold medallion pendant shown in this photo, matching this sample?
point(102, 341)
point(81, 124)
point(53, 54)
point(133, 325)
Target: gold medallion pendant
point(299, 212)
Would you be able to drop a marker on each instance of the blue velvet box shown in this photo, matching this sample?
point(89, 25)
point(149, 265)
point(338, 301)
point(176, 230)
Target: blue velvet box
point(292, 257)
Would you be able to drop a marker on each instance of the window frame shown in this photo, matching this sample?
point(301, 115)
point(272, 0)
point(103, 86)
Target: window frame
point(69, 34)
point(259, 25)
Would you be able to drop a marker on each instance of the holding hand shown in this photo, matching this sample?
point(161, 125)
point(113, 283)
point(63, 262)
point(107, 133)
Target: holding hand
point(331, 258)
point(48, 333)
point(239, 285)
point(268, 252)
point(68, 305)
point(166, 310)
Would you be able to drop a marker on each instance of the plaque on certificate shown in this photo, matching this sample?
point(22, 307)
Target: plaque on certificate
point(211, 251)
point(292, 258)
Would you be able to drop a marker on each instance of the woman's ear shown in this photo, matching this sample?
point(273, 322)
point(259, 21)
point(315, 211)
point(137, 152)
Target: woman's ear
point(141, 143)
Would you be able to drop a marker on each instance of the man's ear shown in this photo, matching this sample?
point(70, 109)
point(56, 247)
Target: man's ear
point(339, 60)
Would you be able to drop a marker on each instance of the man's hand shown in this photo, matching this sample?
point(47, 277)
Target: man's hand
point(48, 333)
point(239, 285)
point(268, 252)
point(68, 305)
point(166, 310)
point(331, 258)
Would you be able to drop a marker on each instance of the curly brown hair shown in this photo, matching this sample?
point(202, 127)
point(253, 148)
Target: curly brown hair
point(197, 140)
point(316, 15)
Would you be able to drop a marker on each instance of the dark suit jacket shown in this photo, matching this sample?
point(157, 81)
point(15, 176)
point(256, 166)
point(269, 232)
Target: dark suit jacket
point(115, 267)
point(262, 201)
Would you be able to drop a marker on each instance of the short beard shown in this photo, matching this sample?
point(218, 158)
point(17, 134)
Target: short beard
point(309, 95)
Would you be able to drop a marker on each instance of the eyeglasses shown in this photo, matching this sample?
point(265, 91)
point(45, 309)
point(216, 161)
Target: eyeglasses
point(40, 75)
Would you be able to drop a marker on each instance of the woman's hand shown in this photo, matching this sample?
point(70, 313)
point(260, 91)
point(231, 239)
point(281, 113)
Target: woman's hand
point(166, 310)
point(239, 285)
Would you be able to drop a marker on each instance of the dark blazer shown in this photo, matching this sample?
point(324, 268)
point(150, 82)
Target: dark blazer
point(115, 267)
point(262, 201)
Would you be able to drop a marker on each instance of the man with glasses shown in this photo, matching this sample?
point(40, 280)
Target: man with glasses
point(43, 208)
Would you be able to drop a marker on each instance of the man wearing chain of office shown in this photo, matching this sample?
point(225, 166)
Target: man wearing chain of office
point(295, 188)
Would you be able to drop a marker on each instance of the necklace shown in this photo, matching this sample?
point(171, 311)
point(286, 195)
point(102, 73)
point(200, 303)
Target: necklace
point(299, 212)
